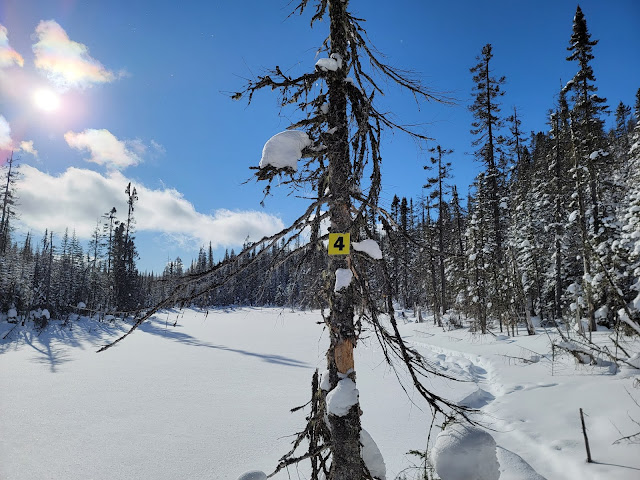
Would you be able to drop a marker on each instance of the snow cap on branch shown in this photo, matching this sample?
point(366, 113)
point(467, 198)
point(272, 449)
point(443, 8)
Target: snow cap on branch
point(283, 150)
point(333, 63)
point(368, 246)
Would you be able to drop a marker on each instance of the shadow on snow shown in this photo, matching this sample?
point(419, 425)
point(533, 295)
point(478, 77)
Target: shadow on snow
point(160, 328)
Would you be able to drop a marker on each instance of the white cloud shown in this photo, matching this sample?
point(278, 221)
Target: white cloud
point(5, 134)
point(65, 62)
point(78, 197)
point(28, 148)
point(7, 143)
point(106, 149)
point(157, 148)
point(8, 56)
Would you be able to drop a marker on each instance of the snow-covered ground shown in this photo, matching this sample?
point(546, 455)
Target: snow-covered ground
point(209, 398)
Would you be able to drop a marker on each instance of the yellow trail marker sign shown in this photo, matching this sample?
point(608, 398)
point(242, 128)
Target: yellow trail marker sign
point(339, 243)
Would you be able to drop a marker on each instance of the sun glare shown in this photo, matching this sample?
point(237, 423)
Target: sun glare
point(46, 100)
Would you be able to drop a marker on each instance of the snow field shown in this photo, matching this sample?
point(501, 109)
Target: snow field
point(532, 406)
point(210, 399)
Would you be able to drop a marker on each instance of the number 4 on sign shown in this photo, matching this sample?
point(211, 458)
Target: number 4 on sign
point(339, 243)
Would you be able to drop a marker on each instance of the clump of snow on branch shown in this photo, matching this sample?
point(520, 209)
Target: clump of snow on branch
point(368, 246)
point(253, 475)
point(284, 149)
point(342, 398)
point(324, 381)
point(625, 318)
point(343, 279)
point(462, 452)
point(634, 360)
point(333, 63)
point(636, 302)
point(598, 153)
point(371, 456)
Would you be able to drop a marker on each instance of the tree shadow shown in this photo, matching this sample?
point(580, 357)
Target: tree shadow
point(157, 327)
point(615, 465)
point(53, 355)
point(53, 344)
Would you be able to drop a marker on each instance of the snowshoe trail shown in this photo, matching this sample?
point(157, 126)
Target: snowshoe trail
point(484, 391)
point(529, 400)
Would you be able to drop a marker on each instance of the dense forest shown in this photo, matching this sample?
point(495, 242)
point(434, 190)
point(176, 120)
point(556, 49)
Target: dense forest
point(551, 229)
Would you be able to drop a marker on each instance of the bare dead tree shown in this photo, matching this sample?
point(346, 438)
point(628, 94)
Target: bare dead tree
point(342, 167)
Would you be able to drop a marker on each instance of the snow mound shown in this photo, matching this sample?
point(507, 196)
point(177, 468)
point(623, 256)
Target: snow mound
point(513, 467)
point(343, 279)
point(12, 313)
point(284, 149)
point(463, 452)
point(634, 360)
point(368, 246)
point(253, 475)
point(477, 399)
point(342, 398)
point(371, 456)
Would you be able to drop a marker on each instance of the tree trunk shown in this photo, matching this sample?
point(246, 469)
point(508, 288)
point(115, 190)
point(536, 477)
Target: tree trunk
point(584, 234)
point(345, 430)
point(443, 280)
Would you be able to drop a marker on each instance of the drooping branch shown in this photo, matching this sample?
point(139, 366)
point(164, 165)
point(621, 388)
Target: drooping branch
point(197, 285)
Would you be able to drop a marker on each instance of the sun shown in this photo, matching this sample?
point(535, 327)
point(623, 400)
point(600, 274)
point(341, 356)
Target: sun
point(46, 99)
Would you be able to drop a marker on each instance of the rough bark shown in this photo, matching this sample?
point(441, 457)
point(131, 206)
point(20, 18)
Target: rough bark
point(345, 430)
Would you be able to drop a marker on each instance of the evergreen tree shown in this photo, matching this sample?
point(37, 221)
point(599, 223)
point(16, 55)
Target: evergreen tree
point(587, 106)
point(486, 125)
point(404, 252)
point(437, 184)
point(8, 202)
point(485, 109)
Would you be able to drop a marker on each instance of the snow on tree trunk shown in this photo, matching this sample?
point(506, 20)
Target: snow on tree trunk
point(345, 429)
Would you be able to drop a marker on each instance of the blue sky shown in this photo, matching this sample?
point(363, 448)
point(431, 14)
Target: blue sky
point(143, 89)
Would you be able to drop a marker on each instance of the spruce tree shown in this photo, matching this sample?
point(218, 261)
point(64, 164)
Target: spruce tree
point(486, 109)
point(587, 107)
point(7, 202)
point(438, 186)
point(486, 125)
